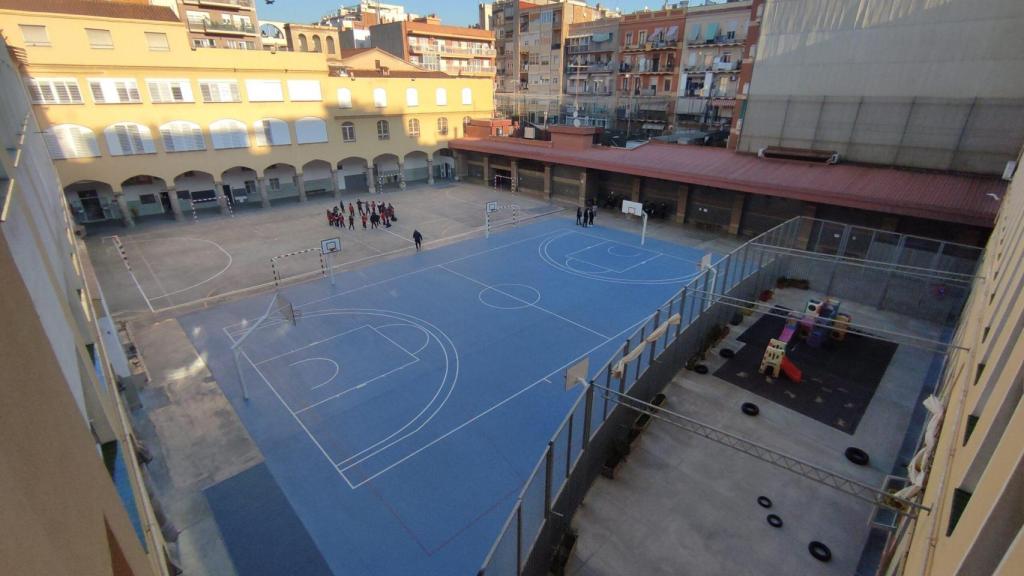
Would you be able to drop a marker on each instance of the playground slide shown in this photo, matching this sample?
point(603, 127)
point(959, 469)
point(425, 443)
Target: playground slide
point(790, 370)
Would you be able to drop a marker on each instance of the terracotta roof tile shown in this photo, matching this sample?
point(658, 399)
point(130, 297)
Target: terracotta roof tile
point(965, 199)
point(93, 8)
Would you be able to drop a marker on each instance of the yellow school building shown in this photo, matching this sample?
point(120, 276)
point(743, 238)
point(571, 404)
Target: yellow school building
point(142, 124)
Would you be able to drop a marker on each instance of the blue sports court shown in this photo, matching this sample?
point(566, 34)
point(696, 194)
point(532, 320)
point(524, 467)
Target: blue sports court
point(401, 414)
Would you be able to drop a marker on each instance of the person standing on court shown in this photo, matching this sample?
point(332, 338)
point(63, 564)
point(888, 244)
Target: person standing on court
point(363, 216)
point(351, 210)
point(359, 203)
point(590, 218)
point(351, 220)
point(579, 216)
point(417, 238)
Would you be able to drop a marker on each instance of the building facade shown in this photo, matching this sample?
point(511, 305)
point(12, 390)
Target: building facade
point(72, 492)
point(709, 80)
point(221, 23)
point(650, 46)
point(591, 62)
point(971, 463)
point(430, 45)
point(310, 38)
point(868, 81)
point(364, 15)
point(137, 132)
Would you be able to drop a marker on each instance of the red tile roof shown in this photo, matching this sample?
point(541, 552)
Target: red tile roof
point(938, 196)
point(131, 11)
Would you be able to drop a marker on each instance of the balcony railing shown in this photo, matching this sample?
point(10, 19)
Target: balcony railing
point(592, 47)
point(658, 45)
point(588, 91)
point(451, 50)
point(722, 40)
point(590, 68)
point(715, 66)
point(209, 27)
point(246, 4)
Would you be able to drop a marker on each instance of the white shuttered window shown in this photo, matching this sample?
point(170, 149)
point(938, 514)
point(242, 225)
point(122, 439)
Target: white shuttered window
point(71, 141)
point(219, 91)
point(310, 130)
point(380, 98)
point(264, 90)
point(304, 91)
point(344, 98)
point(114, 91)
point(129, 138)
point(168, 91)
point(228, 134)
point(182, 136)
point(271, 132)
point(54, 91)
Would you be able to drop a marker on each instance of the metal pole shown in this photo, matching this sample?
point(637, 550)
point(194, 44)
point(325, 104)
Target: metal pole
point(643, 231)
point(549, 465)
point(640, 358)
point(588, 411)
point(519, 537)
point(568, 448)
point(625, 366)
point(654, 345)
point(241, 380)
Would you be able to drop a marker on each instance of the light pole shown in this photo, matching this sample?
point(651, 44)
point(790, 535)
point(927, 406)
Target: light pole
point(629, 106)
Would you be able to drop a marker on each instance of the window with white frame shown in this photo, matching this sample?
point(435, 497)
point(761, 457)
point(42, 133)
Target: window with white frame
point(414, 127)
point(34, 35)
point(348, 132)
point(220, 91)
point(71, 141)
point(441, 97)
point(442, 126)
point(165, 91)
point(264, 90)
point(204, 43)
point(304, 91)
point(182, 136)
point(129, 138)
point(226, 134)
point(271, 132)
point(54, 91)
point(412, 97)
point(467, 96)
point(383, 130)
point(157, 42)
point(310, 130)
point(380, 98)
point(344, 98)
point(114, 91)
point(99, 39)
point(196, 19)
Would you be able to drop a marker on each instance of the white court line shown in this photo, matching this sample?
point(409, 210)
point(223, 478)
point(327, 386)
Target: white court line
point(529, 304)
point(400, 347)
point(397, 235)
point(135, 280)
point(588, 263)
point(297, 419)
point(357, 387)
point(647, 249)
point(410, 273)
point(421, 348)
point(337, 369)
point(495, 407)
point(571, 254)
point(311, 344)
point(197, 284)
point(641, 263)
point(159, 284)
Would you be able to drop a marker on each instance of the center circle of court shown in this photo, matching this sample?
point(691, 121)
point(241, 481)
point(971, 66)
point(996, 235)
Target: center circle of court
point(623, 251)
point(509, 296)
point(559, 256)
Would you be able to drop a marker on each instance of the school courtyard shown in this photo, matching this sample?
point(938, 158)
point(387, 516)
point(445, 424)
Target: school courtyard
point(396, 418)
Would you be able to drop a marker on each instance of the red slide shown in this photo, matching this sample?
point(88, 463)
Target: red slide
point(790, 370)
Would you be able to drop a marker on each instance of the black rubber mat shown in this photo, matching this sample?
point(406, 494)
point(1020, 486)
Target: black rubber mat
point(839, 379)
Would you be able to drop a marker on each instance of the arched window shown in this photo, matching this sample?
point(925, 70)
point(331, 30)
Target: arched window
point(271, 132)
point(317, 46)
point(383, 130)
point(182, 136)
point(128, 138)
point(414, 127)
point(442, 126)
point(380, 97)
point(412, 97)
point(228, 134)
point(348, 132)
point(330, 45)
point(344, 98)
point(303, 45)
point(310, 130)
point(441, 97)
point(467, 96)
point(71, 141)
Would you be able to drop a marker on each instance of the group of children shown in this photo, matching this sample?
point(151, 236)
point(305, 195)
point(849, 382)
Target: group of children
point(376, 213)
point(585, 217)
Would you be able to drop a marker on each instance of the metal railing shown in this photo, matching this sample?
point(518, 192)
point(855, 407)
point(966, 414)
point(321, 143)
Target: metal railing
point(230, 27)
point(562, 475)
point(231, 3)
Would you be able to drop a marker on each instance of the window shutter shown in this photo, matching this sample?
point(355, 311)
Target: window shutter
point(157, 41)
point(34, 35)
point(97, 92)
point(99, 38)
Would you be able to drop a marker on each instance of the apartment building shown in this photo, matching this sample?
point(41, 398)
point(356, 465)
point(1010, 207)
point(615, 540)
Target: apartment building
point(591, 62)
point(155, 129)
point(709, 80)
point(365, 14)
point(313, 38)
point(971, 461)
point(431, 45)
point(530, 39)
point(650, 45)
point(873, 85)
point(221, 23)
point(72, 491)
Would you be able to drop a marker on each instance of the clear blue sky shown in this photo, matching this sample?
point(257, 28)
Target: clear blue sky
point(459, 12)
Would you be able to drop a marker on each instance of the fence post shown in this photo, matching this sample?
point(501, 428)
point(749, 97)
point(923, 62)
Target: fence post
point(664, 344)
point(840, 252)
point(682, 310)
point(625, 367)
point(549, 464)
point(640, 358)
point(568, 449)
point(654, 345)
point(888, 274)
point(588, 411)
point(519, 537)
point(607, 384)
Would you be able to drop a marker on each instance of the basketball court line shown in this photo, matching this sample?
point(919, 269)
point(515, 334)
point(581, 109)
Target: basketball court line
point(357, 387)
point(545, 256)
point(337, 369)
point(397, 345)
point(694, 262)
point(159, 284)
point(166, 294)
point(603, 270)
point(575, 252)
point(528, 304)
point(265, 360)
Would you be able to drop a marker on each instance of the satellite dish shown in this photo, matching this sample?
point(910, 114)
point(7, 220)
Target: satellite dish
point(576, 122)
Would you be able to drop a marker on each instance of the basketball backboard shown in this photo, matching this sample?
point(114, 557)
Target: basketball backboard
point(330, 245)
point(634, 208)
point(577, 372)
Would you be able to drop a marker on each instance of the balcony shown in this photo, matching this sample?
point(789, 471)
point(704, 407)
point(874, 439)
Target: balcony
point(725, 66)
point(236, 4)
point(208, 27)
point(603, 68)
point(576, 91)
point(649, 46)
point(724, 40)
point(592, 47)
point(422, 48)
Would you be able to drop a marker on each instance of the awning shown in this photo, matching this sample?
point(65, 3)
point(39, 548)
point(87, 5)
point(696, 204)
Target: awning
point(694, 32)
point(712, 31)
point(654, 35)
point(601, 37)
point(672, 34)
point(653, 126)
